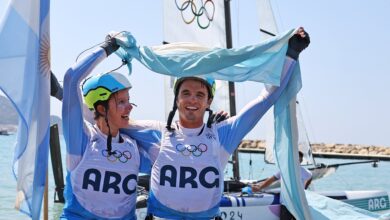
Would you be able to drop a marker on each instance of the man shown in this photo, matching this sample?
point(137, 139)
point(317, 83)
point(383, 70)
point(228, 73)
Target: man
point(189, 156)
point(306, 178)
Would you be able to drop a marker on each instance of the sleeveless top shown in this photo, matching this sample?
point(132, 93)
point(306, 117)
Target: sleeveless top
point(105, 185)
point(188, 166)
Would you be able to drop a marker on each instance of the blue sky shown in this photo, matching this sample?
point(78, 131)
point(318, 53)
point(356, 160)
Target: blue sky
point(344, 96)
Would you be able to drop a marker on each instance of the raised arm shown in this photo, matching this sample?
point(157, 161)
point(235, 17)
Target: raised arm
point(233, 130)
point(75, 132)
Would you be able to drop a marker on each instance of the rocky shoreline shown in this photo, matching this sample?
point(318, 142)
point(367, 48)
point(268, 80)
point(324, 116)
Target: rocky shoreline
point(321, 148)
point(318, 148)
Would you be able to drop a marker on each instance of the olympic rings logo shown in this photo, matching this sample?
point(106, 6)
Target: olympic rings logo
point(117, 155)
point(204, 14)
point(187, 150)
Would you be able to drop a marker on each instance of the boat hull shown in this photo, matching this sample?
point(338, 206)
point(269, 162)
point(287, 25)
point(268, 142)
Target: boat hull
point(266, 206)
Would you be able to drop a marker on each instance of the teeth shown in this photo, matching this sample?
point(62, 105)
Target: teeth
point(192, 108)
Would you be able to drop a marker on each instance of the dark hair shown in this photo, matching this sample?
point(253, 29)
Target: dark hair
point(205, 83)
point(300, 153)
point(105, 105)
point(96, 112)
point(176, 93)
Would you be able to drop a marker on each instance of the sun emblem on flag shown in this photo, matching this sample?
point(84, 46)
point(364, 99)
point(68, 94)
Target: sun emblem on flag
point(44, 54)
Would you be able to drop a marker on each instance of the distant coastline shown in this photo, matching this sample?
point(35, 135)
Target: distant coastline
point(329, 150)
point(10, 128)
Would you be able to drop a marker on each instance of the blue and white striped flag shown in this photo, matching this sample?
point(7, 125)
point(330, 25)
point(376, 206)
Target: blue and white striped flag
point(25, 75)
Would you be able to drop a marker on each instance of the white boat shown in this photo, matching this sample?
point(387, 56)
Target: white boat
point(266, 205)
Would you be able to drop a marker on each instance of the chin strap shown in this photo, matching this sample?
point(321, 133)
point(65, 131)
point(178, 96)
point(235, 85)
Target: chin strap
point(211, 117)
point(109, 137)
point(171, 115)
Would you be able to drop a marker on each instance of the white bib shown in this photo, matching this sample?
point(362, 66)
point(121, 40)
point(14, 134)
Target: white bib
point(106, 185)
point(187, 174)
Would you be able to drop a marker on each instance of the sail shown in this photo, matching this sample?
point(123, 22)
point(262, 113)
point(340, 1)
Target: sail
point(25, 78)
point(303, 140)
point(268, 28)
point(202, 22)
point(282, 142)
point(267, 21)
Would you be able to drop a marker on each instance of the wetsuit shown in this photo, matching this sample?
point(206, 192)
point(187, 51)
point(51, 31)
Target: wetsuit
point(187, 174)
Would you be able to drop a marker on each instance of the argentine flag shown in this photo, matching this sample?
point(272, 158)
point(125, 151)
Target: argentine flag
point(25, 77)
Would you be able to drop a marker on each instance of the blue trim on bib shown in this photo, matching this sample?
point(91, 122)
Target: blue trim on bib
point(160, 210)
point(73, 209)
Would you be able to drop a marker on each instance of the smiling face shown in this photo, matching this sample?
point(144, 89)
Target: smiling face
point(119, 110)
point(192, 102)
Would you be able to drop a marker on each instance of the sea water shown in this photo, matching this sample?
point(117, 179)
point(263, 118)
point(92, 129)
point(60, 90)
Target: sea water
point(252, 166)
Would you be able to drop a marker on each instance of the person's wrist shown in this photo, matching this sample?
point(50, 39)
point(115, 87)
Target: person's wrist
point(110, 46)
point(292, 53)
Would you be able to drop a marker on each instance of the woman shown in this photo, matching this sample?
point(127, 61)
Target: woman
point(102, 163)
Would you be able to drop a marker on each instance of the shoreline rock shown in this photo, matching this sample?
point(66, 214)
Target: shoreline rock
point(352, 149)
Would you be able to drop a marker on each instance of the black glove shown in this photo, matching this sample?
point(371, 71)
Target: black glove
point(296, 44)
point(219, 117)
point(110, 45)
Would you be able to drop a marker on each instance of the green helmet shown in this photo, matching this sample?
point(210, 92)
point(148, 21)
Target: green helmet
point(209, 82)
point(100, 87)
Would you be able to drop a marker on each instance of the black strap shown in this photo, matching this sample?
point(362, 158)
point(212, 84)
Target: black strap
point(149, 217)
point(201, 131)
point(171, 115)
point(211, 117)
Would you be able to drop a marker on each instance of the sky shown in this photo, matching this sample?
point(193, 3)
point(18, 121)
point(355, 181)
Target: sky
point(344, 98)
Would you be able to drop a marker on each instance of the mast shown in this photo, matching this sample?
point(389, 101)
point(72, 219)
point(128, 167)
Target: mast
point(232, 93)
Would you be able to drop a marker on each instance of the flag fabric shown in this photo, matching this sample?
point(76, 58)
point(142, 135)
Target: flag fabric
point(286, 149)
point(201, 22)
point(284, 137)
point(324, 208)
point(262, 62)
point(25, 80)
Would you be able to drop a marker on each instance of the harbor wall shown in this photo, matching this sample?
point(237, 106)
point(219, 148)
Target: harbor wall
point(351, 151)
